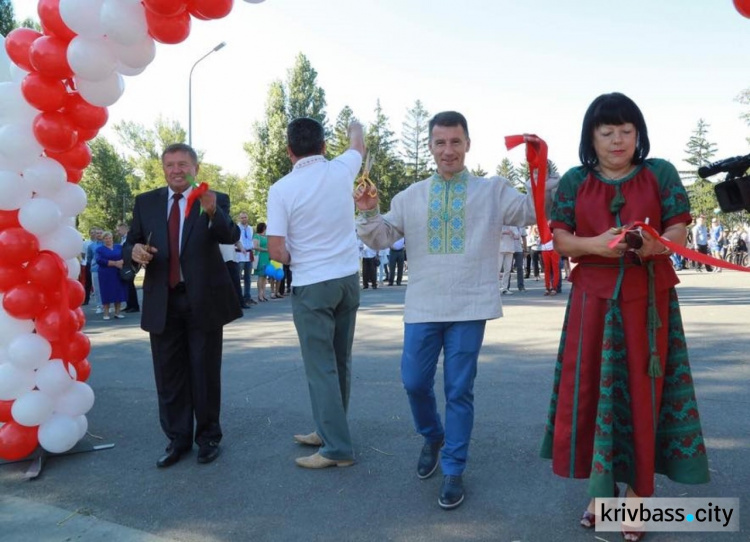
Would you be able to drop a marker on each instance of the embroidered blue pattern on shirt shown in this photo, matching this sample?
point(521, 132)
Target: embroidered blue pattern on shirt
point(446, 226)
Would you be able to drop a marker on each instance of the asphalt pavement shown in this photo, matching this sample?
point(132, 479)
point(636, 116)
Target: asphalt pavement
point(255, 492)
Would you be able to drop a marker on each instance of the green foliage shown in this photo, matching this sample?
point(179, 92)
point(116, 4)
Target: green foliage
point(306, 98)
point(744, 99)
point(339, 140)
point(267, 150)
point(107, 184)
point(387, 168)
point(414, 141)
point(702, 198)
point(478, 171)
point(7, 17)
point(28, 22)
point(552, 168)
point(699, 149)
point(509, 171)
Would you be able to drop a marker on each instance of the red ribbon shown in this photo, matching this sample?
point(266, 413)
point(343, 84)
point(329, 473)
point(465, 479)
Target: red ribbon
point(678, 248)
point(536, 156)
point(196, 193)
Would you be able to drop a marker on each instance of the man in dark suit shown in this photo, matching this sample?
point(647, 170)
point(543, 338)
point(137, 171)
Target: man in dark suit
point(187, 299)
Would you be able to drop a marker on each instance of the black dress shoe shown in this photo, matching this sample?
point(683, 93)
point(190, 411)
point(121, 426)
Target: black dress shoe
point(428, 459)
point(132, 309)
point(451, 492)
point(170, 458)
point(246, 306)
point(208, 452)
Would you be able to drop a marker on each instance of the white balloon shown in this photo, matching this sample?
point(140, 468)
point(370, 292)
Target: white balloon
point(254, 1)
point(45, 176)
point(13, 106)
point(83, 425)
point(124, 22)
point(102, 93)
point(53, 379)
point(71, 199)
point(29, 351)
point(82, 16)
point(14, 382)
point(59, 433)
point(40, 216)
point(18, 146)
point(76, 400)
point(15, 192)
point(65, 241)
point(32, 408)
point(5, 62)
point(74, 268)
point(11, 327)
point(124, 69)
point(91, 58)
point(139, 55)
point(17, 74)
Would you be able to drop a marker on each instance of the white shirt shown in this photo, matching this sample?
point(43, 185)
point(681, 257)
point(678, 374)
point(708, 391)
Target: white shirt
point(227, 252)
point(183, 205)
point(246, 240)
point(312, 207)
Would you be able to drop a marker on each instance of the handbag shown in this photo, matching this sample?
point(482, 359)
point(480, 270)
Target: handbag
point(127, 273)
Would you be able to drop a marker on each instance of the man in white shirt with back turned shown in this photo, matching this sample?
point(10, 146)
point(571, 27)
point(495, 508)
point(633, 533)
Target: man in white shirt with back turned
point(311, 228)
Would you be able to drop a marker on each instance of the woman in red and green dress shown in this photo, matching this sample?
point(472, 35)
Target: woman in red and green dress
point(623, 405)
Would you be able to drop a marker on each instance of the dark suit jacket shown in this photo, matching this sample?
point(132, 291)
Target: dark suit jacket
point(209, 287)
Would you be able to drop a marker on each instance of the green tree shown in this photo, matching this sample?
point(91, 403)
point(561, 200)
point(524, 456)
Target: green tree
point(702, 198)
point(107, 182)
point(507, 169)
point(414, 142)
point(305, 97)
point(339, 140)
point(744, 99)
point(7, 17)
point(699, 150)
point(267, 149)
point(552, 168)
point(478, 171)
point(387, 171)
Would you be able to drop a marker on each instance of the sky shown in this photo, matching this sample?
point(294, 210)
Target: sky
point(510, 66)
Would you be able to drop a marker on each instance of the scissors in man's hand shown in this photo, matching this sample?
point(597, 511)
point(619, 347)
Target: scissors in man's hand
point(364, 183)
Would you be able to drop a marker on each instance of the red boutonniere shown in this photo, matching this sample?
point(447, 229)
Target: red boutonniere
point(197, 192)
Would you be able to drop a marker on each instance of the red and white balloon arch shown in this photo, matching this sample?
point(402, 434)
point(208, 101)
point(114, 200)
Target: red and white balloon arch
point(55, 88)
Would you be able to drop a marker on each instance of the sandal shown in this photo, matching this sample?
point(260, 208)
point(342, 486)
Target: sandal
point(588, 519)
point(632, 536)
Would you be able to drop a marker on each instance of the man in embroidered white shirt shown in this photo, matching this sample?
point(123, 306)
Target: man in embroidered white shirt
point(452, 223)
point(311, 228)
point(243, 255)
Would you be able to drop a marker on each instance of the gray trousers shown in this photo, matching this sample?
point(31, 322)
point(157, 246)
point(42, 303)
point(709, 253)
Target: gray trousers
point(325, 314)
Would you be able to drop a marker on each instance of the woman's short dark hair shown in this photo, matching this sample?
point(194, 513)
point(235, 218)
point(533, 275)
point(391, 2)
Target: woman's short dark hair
point(305, 137)
point(448, 118)
point(614, 108)
point(260, 228)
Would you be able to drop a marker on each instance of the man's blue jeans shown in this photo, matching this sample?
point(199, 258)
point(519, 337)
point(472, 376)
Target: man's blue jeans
point(460, 342)
point(246, 270)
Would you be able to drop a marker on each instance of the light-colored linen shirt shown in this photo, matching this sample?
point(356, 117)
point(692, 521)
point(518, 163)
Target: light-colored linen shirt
point(312, 207)
point(452, 229)
point(246, 240)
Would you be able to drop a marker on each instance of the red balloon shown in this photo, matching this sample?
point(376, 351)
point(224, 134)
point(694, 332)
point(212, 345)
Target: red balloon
point(74, 175)
point(49, 56)
point(5, 415)
point(52, 23)
point(23, 301)
point(165, 8)
point(17, 44)
point(168, 30)
point(86, 135)
point(79, 157)
point(78, 348)
point(85, 115)
point(83, 370)
point(17, 246)
point(10, 276)
point(76, 294)
point(44, 93)
point(210, 9)
point(17, 441)
point(46, 270)
point(56, 324)
point(58, 349)
point(80, 317)
point(743, 6)
point(9, 219)
point(54, 131)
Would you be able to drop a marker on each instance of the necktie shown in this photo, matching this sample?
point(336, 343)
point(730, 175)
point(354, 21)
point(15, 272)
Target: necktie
point(173, 227)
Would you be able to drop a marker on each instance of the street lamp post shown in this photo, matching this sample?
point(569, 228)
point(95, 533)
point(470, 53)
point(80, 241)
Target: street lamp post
point(190, 91)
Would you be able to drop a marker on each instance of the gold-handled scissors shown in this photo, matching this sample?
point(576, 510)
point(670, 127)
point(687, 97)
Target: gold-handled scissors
point(364, 183)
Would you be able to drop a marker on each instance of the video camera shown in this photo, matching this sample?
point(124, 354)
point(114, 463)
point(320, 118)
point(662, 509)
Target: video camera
point(733, 193)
